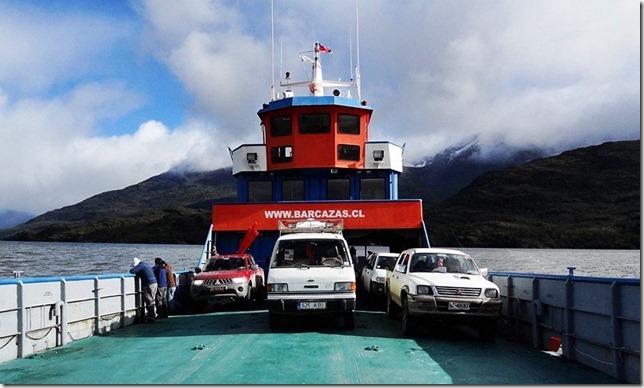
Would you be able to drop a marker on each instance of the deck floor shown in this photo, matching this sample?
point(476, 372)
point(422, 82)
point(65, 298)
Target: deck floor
point(237, 347)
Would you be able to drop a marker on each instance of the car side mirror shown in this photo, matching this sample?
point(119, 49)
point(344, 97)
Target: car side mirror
point(197, 269)
point(254, 266)
point(483, 271)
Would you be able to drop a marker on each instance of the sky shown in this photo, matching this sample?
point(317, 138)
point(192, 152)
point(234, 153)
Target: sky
point(98, 95)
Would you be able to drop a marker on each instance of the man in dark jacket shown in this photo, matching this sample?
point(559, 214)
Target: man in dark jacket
point(162, 290)
point(148, 284)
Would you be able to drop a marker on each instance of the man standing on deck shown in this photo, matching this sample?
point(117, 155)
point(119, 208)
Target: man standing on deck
point(149, 285)
point(172, 283)
point(161, 299)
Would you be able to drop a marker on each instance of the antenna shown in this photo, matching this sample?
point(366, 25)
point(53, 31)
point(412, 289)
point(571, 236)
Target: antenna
point(358, 54)
point(272, 56)
point(351, 54)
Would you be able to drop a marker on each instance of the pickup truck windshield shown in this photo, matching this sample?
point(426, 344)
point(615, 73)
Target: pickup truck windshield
point(441, 262)
point(296, 253)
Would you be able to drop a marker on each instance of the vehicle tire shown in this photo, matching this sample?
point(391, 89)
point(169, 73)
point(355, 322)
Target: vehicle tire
point(248, 299)
point(258, 291)
point(349, 321)
point(274, 321)
point(390, 310)
point(487, 331)
point(408, 322)
point(259, 294)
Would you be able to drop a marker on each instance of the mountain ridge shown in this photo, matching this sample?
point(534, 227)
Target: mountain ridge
point(466, 202)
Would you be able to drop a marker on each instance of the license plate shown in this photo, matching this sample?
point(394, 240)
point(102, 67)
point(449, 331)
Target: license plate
point(311, 306)
point(458, 306)
point(217, 288)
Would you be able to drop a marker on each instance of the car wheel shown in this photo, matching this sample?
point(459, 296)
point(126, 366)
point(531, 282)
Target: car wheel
point(487, 331)
point(274, 320)
point(349, 321)
point(260, 294)
point(390, 310)
point(248, 300)
point(408, 322)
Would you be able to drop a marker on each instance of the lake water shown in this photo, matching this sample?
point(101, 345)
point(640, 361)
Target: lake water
point(41, 259)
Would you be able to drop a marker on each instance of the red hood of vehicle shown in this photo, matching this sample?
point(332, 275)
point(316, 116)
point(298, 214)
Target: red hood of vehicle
point(232, 273)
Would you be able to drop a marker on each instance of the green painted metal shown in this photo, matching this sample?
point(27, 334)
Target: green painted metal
point(229, 347)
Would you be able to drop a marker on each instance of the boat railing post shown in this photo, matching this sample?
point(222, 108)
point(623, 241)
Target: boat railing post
point(535, 313)
point(123, 299)
point(21, 319)
point(97, 307)
point(513, 306)
point(568, 334)
point(137, 300)
point(616, 331)
point(63, 312)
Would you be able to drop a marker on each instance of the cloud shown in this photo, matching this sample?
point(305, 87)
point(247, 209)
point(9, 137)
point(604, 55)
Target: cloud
point(549, 74)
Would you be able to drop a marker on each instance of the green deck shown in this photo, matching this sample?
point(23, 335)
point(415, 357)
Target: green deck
point(230, 347)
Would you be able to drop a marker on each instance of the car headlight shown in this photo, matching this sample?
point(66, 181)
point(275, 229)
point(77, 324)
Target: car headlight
point(424, 290)
point(277, 287)
point(380, 280)
point(345, 286)
point(197, 282)
point(238, 280)
point(491, 293)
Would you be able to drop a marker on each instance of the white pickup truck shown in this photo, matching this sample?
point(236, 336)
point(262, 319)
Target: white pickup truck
point(441, 285)
point(311, 273)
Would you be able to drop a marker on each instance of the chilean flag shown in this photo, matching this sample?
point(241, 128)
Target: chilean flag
point(324, 49)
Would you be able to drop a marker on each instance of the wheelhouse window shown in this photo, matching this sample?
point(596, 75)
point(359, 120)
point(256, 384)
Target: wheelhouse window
point(281, 126)
point(349, 124)
point(372, 188)
point(293, 190)
point(282, 154)
point(315, 123)
point(260, 191)
point(338, 189)
point(348, 152)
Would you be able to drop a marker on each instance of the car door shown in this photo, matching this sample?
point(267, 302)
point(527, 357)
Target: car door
point(366, 272)
point(398, 277)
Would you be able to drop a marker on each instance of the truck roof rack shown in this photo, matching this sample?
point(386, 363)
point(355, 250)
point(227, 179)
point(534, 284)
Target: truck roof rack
point(309, 225)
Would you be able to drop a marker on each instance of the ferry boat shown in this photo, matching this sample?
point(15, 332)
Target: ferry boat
point(315, 160)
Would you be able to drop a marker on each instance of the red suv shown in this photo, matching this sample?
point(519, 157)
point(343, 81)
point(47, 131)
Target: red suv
point(227, 279)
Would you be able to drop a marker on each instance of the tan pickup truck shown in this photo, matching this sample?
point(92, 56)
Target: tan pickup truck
point(441, 285)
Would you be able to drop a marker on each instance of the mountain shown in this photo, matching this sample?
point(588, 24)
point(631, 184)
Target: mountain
point(173, 207)
point(9, 218)
point(442, 175)
point(583, 198)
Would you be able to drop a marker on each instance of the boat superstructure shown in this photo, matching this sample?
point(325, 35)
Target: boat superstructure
point(316, 161)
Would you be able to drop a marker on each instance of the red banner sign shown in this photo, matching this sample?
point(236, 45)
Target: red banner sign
point(400, 214)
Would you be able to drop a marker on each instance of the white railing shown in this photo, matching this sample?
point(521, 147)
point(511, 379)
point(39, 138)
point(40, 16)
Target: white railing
point(43, 313)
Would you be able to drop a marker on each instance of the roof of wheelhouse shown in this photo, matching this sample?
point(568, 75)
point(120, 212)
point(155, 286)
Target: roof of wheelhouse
point(312, 100)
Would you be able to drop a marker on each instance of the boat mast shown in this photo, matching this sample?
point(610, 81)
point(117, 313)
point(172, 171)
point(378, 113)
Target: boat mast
point(358, 54)
point(272, 56)
point(315, 87)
